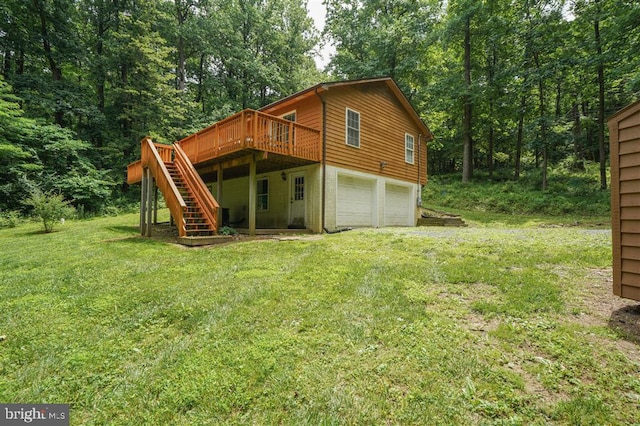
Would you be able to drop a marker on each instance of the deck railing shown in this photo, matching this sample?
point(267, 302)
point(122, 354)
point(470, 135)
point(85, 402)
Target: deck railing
point(253, 129)
point(134, 170)
point(154, 156)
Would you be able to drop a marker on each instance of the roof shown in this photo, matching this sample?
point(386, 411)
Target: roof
point(323, 87)
point(625, 112)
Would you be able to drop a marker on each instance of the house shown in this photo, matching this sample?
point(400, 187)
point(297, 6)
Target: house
point(335, 155)
point(624, 135)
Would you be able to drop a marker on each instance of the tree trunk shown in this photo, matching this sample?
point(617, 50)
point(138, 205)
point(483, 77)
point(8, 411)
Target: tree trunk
point(100, 80)
point(181, 65)
point(200, 94)
point(181, 14)
point(523, 105)
point(492, 66)
point(603, 158)
point(7, 63)
point(578, 154)
point(467, 156)
point(56, 71)
point(543, 122)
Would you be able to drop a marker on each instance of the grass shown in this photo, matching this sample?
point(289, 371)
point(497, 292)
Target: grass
point(400, 326)
point(571, 198)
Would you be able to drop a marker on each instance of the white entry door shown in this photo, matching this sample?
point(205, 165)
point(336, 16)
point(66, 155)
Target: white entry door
point(297, 197)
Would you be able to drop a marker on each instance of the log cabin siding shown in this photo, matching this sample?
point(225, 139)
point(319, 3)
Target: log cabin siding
point(308, 112)
point(383, 124)
point(624, 133)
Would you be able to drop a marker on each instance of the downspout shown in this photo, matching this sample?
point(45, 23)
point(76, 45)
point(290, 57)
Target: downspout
point(419, 200)
point(324, 154)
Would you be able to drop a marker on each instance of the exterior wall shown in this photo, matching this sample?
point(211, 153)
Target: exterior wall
point(624, 133)
point(379, 184)
point(308, 112)
point(235, 197)
point(383, 124)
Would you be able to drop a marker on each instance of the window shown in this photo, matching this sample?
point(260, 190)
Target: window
point(298, 188)
point(353, 128)
point(408, 148)
point(280, 131)
point(291, 116)
point(263, 194)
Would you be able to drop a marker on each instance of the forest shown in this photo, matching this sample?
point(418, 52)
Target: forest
point(506, 86)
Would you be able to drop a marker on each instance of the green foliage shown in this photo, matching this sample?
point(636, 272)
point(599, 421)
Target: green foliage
point(570, 193)
point(9, 219)
point(36, 154)
point(534, 81)
point(227, 230)
point(51, 209)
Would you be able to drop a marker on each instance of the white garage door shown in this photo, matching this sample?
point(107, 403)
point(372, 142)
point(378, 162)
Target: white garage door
point(355, 202)
point(398, 203)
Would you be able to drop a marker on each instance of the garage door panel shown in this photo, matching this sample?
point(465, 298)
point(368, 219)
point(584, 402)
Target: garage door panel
point(355, 201)
point(398, 203)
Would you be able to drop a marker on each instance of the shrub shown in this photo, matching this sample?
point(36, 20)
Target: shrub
point(9, 219)
point(227, 230)
point(50, 208)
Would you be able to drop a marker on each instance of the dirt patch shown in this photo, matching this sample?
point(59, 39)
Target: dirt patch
point(600, 307)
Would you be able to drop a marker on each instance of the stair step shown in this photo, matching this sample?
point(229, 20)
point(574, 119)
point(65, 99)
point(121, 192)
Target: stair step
point(195, 221)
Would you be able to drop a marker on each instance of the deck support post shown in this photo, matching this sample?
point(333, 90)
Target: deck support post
point(149, 202)
point(219, 194)
point(150, 191)
point(143, 201)
point(155, 204)
point(253, 189)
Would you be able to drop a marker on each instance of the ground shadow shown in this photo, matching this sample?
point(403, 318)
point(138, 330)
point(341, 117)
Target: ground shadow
point(626, 321)
point(39, 232)
point(124, 229)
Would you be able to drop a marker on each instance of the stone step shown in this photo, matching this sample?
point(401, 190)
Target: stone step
point(441, 221)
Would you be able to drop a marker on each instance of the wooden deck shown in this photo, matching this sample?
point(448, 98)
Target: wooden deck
point(246, 130)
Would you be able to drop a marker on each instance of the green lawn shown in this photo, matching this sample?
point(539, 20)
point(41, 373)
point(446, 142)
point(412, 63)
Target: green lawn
point(478, 325)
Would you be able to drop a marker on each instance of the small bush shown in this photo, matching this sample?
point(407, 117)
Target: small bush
point(227, 230)
point(9, 219)
point(51, 208)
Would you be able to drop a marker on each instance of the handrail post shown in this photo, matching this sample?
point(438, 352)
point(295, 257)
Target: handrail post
point(216, 140)
point(243, 128)
point(290, 141)
point(255, 128)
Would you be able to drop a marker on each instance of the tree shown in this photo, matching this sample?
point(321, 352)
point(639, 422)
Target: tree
point(51, 208)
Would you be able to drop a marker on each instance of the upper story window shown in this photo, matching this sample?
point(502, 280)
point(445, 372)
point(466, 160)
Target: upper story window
point(409, 147)
point(291, 116)
point(280, 130)
point(353, 128)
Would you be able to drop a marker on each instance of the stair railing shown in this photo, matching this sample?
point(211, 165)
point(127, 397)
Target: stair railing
point(200, 191)
point(152, 159)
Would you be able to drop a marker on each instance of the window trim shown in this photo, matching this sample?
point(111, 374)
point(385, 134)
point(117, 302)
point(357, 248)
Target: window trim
point(277, 129)
point(259, 194)
point(292, 112)
point(346, 127)
point(408, 150)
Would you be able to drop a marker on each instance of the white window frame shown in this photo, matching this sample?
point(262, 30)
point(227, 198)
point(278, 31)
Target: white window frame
point(280, 131)
point(409, 148)
point(293, 113)
point(346, 127)
point(265, 195)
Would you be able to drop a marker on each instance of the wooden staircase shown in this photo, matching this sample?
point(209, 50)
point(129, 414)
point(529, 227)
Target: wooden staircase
point(190, 202)
point(195, 221)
